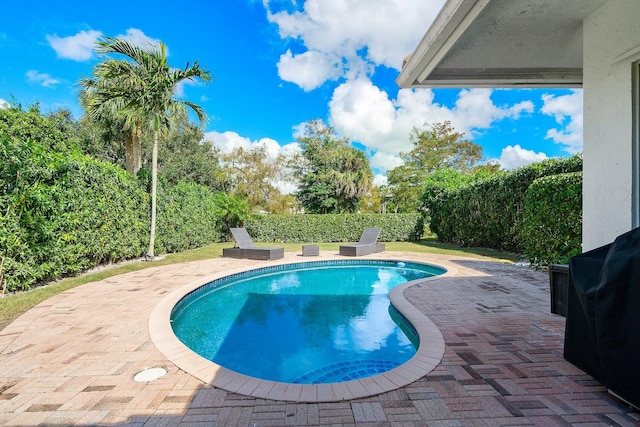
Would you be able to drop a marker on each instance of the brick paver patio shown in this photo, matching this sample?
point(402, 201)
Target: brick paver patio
point(71, 360)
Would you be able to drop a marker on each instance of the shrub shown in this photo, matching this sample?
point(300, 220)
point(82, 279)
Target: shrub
point(186, 218)
point(96, 214)
point(63, 213)
point(551, 230)
point(52, 132)
point(445, 180)
point(333, 227)
point(489, 213)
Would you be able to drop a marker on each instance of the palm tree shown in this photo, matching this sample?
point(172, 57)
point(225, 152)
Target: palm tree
point(110, 110)
point(140, 89)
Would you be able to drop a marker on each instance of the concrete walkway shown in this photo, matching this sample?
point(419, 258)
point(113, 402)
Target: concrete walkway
point(71, 360)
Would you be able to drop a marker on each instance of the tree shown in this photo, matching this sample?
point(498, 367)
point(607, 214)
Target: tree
point(334, 176)
point(440, 146)
point(103, 140)
point(185, 156)
point(253, 174)
point(283, 204)
point(233, 210)
point(140, 90)
point(371, 202)
point(108, 125)
point(435, 147)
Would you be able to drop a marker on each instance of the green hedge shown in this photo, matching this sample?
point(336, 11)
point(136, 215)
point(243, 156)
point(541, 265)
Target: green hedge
point(551, 231)
point(63, 213)
point(333, 227)
point(52, 132)
point(186, 218)
point(490, 213)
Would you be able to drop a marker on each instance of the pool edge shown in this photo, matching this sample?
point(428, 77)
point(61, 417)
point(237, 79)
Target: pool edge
point(427, 357)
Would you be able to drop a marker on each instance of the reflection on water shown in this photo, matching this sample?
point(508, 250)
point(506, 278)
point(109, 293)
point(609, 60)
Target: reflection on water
point(283, 326)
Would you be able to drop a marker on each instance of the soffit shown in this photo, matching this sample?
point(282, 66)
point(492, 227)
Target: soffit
point(501, 43)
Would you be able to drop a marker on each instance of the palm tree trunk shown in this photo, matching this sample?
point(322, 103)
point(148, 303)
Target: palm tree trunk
point(128, 152)
point(154, 188)
point(133, 150)
point(136, 149)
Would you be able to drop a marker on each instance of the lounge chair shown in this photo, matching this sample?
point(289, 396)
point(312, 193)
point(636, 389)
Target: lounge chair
point(367, 244)
point(246, 249)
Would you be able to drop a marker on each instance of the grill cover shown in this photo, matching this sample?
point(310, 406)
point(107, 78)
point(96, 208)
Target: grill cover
point(602, 335)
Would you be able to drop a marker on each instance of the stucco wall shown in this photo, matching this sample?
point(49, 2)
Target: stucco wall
point(611, 45)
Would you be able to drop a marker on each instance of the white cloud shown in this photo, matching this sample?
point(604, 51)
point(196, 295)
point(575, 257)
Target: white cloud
point(291, 149)
point(4, 104)
point(139, 38)
point(379, 180)
point(351, 36)
point(387, 122)
point(299, 130)
point(362, 112)
point(78, 47)
point(180, 87)
point(384, 161)
point(42, 79)
point(567, 110)
point(308, 70)
point(228, 141)
point(513, 157)
point(480, 111)
point(286, 187)
point(361, 109)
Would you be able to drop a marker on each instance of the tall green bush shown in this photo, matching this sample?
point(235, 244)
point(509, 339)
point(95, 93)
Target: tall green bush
point(333, 227)
point(52, 132)
point(96, 214)
point(551, 230)
point(489, 213)
point(63, 213)
point(186, 218)
point(446, 180)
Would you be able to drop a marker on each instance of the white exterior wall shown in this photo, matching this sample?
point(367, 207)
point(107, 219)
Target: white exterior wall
point(611, 45)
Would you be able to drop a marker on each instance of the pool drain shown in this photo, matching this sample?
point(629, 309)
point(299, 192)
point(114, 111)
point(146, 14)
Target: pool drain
point(149, 374)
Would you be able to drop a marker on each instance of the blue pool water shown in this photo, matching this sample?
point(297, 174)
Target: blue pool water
point(309, 323)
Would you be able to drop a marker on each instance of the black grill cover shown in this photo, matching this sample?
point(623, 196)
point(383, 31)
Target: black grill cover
point(602, 335)
point(580, 342)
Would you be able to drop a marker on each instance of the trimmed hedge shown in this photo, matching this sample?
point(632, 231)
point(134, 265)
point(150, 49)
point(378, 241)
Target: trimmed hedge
point(63, 213)
point(311, 228)
point(551, 230)
point(186, 218)
point(490, 213)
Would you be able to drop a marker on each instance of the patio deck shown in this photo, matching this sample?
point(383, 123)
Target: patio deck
point(71, 360)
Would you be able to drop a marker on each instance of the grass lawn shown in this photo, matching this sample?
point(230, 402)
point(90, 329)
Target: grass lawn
point(12, 306)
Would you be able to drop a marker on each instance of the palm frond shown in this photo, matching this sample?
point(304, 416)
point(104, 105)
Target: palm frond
point(200, 113)
point(140, 87)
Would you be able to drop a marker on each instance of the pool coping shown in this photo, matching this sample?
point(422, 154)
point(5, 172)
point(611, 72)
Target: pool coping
point(427, 357)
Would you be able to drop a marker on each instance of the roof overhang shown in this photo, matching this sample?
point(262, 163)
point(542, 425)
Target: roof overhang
point(501, 43)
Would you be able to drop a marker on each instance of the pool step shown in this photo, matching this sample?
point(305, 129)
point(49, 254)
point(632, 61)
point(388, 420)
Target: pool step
point(346, 371)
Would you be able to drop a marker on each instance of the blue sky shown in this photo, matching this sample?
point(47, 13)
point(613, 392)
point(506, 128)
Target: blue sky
point(280, 63)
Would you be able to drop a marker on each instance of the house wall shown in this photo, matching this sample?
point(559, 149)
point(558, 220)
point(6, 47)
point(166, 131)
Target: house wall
point(611, 45)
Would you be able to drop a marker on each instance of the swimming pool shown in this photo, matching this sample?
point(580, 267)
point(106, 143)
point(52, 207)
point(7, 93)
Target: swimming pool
point(305, 323)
